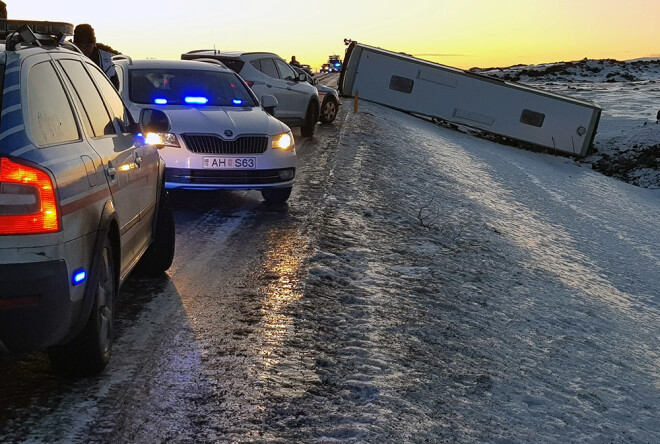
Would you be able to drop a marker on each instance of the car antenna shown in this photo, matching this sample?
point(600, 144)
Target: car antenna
point(215, 51)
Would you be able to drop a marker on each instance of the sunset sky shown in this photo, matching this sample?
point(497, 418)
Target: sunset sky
point(461, 33)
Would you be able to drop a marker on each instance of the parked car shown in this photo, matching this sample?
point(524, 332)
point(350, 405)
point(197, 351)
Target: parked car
point(81, 200)
point(220, 136)
point(267, 73)
point(329, 98)
point(307, 69)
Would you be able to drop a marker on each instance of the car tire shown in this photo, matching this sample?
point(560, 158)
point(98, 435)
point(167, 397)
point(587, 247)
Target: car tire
point(160, 254)
point(276, 195)
point(89, 352)
point(311, 117)
point(329, 110)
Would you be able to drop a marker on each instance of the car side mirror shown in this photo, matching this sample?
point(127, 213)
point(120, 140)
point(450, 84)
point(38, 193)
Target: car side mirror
point(302, 77)
point(154, 121)
point(269, 103)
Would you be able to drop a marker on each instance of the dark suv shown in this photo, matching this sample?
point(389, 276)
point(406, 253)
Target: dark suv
point(81, 199)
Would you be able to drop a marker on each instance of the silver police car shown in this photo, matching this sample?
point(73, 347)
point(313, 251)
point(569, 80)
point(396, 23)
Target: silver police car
point(82, 200)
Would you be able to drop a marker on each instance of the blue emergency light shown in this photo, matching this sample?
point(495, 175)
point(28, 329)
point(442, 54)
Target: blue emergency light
point(160, 101)
point(237, 101)
point(196, 100)
point(79, 276)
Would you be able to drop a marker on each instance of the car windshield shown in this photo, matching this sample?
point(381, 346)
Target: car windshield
point(188, 87)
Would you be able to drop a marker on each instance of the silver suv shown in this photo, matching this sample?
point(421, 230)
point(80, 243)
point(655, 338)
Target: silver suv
point(81, 199)
point(268, 73)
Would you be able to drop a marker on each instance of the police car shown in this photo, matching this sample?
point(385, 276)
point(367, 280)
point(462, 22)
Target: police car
point(221, 136)
point(334, 63)
point(81, 199)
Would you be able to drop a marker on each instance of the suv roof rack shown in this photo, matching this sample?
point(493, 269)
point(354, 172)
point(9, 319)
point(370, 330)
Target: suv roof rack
point(225, 54)
point(207, 60)
point(215, 51)
point(122, 57)
point(32, 33)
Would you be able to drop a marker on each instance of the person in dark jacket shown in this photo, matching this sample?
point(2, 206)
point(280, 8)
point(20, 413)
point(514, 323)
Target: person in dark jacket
point(294, 62)
point(85, 39)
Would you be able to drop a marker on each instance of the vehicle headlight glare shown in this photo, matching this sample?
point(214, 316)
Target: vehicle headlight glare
point(162, 139)
point(283, 141)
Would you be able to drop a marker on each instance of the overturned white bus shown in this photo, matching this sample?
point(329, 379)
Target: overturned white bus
point(508, 109)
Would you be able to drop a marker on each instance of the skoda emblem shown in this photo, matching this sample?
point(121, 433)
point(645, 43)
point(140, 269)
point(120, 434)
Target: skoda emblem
point(228, 133)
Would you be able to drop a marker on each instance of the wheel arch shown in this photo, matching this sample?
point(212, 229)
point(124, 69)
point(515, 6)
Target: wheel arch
point(315, 105)
point(108, 228)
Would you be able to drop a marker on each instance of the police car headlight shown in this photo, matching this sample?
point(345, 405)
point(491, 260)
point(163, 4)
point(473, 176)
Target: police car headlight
point(283, 141)
point(162, 139)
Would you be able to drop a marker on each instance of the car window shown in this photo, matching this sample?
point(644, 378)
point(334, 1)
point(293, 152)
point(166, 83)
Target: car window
point(108, 90)
point(2, 76)
point(82, 115)
point(120, 76)
point(188, 87)
point(50, 115)
point(89, 97)
point(234, 64)
point(286, 72)
point(268, 68)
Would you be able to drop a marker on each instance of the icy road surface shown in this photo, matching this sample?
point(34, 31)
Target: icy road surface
point(421, 285)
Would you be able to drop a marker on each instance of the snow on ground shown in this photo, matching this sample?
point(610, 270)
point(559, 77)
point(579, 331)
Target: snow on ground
point(457, 291)
point(627, 145)
point(464, 291)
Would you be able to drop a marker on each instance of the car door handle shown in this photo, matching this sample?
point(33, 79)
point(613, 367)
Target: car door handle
point(138, 159)
point(111, 171)
point(269, 85)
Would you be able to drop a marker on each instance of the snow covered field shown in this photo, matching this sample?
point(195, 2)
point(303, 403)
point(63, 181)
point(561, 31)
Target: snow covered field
point(628, 140)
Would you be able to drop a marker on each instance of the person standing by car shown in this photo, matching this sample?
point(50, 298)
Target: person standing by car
point(294, 62)
point(85, 39)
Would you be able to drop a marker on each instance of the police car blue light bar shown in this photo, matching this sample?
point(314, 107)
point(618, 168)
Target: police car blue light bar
point(237, 101)
point(196, 100)
point(160, 101)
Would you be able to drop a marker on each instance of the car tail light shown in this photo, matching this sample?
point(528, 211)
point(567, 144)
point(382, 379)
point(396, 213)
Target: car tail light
point(249, 83)
point(27, 200)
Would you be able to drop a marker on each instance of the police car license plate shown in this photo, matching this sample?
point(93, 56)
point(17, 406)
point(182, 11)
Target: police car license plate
point(224, 163)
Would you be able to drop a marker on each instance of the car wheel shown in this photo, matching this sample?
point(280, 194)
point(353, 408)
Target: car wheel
point(329, 110)
point(160, 254)
point(311, 117)
point(276, 195)
point(89, 352)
